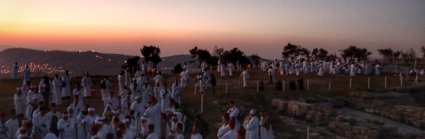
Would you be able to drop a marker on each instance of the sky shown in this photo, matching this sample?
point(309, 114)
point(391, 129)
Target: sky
point(260, 27)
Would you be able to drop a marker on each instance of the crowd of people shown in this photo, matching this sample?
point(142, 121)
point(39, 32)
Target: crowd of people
point(144, 106)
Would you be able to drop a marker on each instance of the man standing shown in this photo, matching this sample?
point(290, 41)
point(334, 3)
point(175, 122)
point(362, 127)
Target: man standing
point(27, 74)
point(57, 88)
point(66, 88)
point(19, 100)
point(15, 68)
point(245, 77)
point(104, 88)
point(67, 127)
point(86, 84)
point(45, 90)
point(251, 125)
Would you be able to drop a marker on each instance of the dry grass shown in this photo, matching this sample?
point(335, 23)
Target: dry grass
point(247, 98)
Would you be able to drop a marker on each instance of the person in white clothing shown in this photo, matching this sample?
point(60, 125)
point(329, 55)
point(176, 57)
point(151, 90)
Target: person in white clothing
point(230, 68)
point(121, 81)
point(27, 74)
point(223, 128)
point(66, 87)
point(245, 77)
point(179, 131)
point(231, 133)
point(233, 112)
point(67, 127)
point(138, 107)
point(151, 133)
point(251, 125)
point(14, 72)
point(195, 133)
point(50, 135)
point(79, 93)
point(266, 131)
point(19, 99)
point(4, 130)
point(57, 89)
point(41, 122)
point(165, 98)
point(86, 85)
point(105, 86)
point(12, 124)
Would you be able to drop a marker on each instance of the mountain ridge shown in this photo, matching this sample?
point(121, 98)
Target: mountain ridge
point(77, 61)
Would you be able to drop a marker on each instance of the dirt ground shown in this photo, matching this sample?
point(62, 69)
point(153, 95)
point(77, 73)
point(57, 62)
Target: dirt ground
point(247, 98)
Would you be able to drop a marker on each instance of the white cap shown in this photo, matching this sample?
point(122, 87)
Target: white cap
point(252, 112)
point(34, 98)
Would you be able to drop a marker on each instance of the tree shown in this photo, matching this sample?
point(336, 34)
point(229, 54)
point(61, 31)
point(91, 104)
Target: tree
point(151, 54)
point(387, 53)
point(292, 50)
point(218, 51)
point(319, 53)
point(200, 54)
point(355, 52)
point(235, 55)
point(131, 65)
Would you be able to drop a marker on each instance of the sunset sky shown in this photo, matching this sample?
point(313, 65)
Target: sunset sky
point(256, 26)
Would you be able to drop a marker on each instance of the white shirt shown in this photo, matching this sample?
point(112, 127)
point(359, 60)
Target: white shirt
point(196, 136)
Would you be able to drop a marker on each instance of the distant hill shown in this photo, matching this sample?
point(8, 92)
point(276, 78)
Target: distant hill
point(77, 62)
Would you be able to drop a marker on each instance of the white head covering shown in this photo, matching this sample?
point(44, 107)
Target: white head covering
point(252, 112)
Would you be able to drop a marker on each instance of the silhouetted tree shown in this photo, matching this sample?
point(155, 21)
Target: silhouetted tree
point(131, 65)
point(218, 52)
point(200, 54)
point(355, 52)
point(387, 53)
point(319, 53)
point(292, 50)
point(151, 54)
point(235, 55)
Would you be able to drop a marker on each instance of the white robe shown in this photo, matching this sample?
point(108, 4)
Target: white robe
point(121, 82)
point(66, 90)
point(67, 128)
point(245, 77)
point(12, 125)
point(165, 99)
point(80, 95)
point(105, 92)
point(153, 115)
point(222, 130)
point(19, 101)
point(152, 136)
point(252, 128)
point(42, 123)
point(231, 134)
point(138, 108)
point(57, 89)
point(86, 84)
point(50, 136)
point(196, 136)
point(28, 112)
